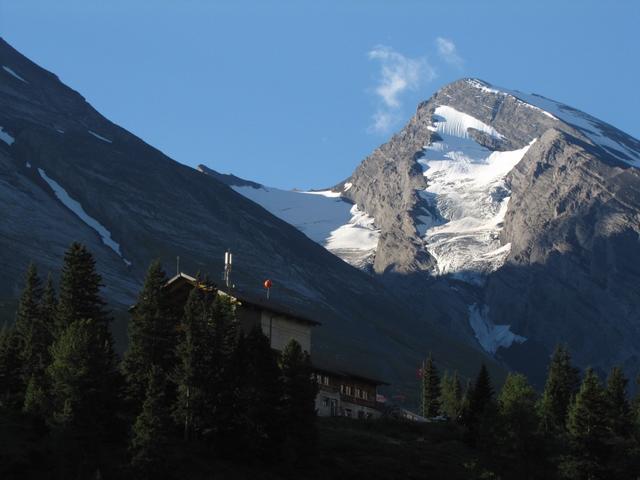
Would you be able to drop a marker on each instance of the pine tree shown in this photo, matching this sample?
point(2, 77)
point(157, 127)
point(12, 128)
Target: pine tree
point(80, 291)
point(430, 389)
point(11, 387)
point(263, 396)
point(562, 384)
point(518, 419)
point(618, 407)
point(300, 391)
point(35, 397)
point(151, 431)
point(192, 353)
point(588, 431)
point(33, 330)
point(451, 397)
point(480, 413)
point(77, 376)
point(82, 377)
point(152, 338)
point(49, 306)
point(230, 416)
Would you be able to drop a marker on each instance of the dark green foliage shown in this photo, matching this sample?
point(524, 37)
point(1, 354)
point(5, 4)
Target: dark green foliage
point(34, 329)
point(80, 291)
point(518, 421)
point(36, 401)
point(152, 429)
point(81, 379)
point(430, 389)
point(480, 413)
point(481, 394)
point(300, 390)
point(451, 397)
point(194, 363)
point(588, 432)
point(11, 386)
point(265, 432)
point(618, 407)
point(562, 384)
point(152, 335)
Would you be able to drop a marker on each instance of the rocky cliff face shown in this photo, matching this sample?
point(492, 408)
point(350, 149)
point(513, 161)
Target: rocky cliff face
point(68, 174)
point(525, 207)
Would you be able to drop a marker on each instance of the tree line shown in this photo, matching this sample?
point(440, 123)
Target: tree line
point(190, 376)
point(578, 428)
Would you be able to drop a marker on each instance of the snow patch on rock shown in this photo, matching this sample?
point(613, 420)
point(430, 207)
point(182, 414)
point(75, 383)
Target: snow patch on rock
point(491, 336)
point(100, 137)
point(596, 131)
point(457, 124)
point(6, 138)
point(77, 209)
point(13, 74)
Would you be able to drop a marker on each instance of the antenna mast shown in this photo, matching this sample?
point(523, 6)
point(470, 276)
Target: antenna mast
point(228, 263)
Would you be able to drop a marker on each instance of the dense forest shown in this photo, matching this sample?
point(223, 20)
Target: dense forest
point(193, 396)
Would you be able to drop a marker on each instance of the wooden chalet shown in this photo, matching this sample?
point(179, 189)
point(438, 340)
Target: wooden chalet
point(341, 393)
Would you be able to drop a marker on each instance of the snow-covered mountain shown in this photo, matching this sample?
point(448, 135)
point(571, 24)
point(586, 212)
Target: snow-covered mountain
point(512, 218)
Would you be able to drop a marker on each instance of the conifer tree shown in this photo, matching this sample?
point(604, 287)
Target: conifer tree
point(230, 416)
point(265, 434)
point(618, 407)
point(480, 412)
point(152, 338)
point(32, 328)
point(82, 377)
point(151, 431)
point(451, 397)
point(192, 353)
point(81, 384)
point(430, 389)
point(518, 419)
point(11, 387)
point(588, 432)
point(562, 384)
point(79, 297)
point(300, 391)
point(35, 397)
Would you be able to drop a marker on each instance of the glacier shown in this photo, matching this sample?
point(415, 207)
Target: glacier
point(323, 216)
point(467, 197)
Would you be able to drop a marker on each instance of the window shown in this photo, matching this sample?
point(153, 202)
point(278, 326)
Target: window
point(348, 390)
point(365, 395)
point(325, 401)
point(342, 389)
point(325, 380)
point(357, 393)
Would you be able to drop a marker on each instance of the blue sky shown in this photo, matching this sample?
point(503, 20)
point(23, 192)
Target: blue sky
point(296, 93)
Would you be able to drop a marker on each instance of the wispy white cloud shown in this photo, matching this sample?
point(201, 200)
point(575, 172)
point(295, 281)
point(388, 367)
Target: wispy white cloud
point(448, 52)
point(398, 74)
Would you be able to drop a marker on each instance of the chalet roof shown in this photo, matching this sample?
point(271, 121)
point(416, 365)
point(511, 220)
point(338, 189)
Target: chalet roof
point(246, 298)
point(321, 365)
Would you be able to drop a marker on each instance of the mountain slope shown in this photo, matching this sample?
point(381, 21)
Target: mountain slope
point(67, 173)
point(513, 220)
